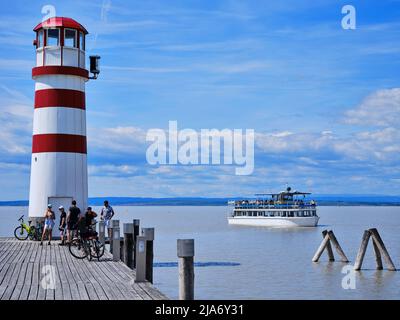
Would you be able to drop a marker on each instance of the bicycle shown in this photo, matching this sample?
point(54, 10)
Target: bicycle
point(24, 231)
point(89, 247)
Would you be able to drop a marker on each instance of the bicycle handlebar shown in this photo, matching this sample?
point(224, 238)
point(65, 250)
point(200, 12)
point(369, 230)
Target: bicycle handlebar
point(21, 218)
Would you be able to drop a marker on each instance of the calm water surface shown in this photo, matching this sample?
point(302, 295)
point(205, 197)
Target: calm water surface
point(260, 263)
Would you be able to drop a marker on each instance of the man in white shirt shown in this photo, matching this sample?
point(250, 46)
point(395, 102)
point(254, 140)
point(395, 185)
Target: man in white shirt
point(106, 214)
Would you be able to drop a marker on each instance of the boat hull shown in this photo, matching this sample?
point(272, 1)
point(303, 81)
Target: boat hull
point(283, 222)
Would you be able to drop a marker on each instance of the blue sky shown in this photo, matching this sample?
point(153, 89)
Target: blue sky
point(324, 102)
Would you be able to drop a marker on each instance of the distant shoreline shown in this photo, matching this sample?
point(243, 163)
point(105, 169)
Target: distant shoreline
point(322, 200)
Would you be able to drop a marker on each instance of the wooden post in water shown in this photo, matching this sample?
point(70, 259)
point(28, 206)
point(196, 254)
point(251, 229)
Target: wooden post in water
point(116, 244)
point(378, 257)
point(329, 237)
point(140, 259)
point(148, 233)
point(128, 244)
point(338, 248)
point(185, 248)
point(114, 224)
point(328, 247)
point(321, 248)
point(381, 246)
point(362, 250)
point(136, 224)
point(102, 232)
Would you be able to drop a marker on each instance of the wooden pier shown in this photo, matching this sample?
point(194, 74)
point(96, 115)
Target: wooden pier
point(26, 267)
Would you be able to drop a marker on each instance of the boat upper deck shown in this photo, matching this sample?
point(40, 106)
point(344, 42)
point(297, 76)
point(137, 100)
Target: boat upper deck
point(283, 200)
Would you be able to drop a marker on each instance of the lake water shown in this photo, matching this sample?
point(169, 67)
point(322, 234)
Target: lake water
point(260, 263)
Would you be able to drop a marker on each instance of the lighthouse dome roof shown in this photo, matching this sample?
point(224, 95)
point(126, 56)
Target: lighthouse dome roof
point(61, 22)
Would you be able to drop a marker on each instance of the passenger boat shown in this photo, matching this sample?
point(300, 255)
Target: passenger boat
point(284, 209)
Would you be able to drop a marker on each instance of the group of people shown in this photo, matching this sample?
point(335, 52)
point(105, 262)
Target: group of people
point(73, 222)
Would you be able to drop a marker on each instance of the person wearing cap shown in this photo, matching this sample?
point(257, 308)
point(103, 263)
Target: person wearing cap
point(63, 224)
point(106, 214)
point(49, 218)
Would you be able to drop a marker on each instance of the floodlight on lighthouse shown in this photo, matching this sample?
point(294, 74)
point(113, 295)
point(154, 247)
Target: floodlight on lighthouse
point(94, 66)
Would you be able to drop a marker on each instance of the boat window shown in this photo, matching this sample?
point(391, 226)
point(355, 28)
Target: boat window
point(40, 39)
point(70, 38)
point(53, 37)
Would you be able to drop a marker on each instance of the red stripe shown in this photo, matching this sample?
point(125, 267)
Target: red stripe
point(60, 98)
point(59, 143)
point(73, 71)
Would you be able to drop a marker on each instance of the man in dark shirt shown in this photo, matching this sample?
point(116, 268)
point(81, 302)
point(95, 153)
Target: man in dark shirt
point(63, 224)
point(85, 224)
point(73, 217)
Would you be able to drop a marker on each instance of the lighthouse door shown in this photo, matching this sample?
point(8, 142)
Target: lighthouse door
point(56, 202)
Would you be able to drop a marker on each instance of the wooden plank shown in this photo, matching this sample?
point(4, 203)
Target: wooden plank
point(127, 277)
point(21, 267)
point(69, 275)
point(65, 289)
point(12, 275)
point(152, 291)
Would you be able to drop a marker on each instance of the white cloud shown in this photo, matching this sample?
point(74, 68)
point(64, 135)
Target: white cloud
point(112, 170)
point(119, 139)
point(382, 108)
point(15, 117)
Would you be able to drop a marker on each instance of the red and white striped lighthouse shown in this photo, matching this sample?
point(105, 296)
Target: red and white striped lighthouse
point(59, 153)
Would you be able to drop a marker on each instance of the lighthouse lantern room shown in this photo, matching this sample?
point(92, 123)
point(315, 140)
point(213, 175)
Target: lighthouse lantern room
point(59, 152)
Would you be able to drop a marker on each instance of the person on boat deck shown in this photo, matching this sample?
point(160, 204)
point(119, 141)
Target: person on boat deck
point(49, 218)
point(63, 224)
point(106, 214)
point(72, 220)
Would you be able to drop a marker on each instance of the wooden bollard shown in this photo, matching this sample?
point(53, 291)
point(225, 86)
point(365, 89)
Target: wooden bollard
point(102, 232)
point(185, 248)
point(128, 244)
point(113, 224)
point(362, 250)
point(140, 259)
point(116, 244)
point(381, 246)
point(136, 225)
point(148, 233)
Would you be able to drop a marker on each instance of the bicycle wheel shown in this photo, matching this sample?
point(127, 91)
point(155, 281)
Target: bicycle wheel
point(97, 249)
point(32, 233)
point(78, 249)
point(20, 233)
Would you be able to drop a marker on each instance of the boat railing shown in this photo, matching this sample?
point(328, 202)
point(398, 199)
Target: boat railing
point(274, 206)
